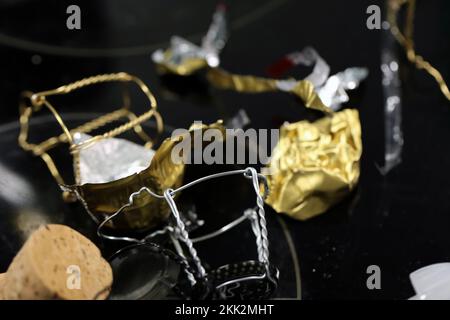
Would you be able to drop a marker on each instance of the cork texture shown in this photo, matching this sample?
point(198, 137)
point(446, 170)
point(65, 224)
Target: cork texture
point(57, 262)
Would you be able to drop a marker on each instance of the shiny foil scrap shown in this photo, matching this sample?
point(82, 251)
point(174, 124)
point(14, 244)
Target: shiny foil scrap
point(110, 159)
point(185, 58)
point(303, 89)
point(315, 165)
point(332, 90)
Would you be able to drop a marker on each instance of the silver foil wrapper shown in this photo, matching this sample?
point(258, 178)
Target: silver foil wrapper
point(212, 44)
point(332, 90)
point(110, 159)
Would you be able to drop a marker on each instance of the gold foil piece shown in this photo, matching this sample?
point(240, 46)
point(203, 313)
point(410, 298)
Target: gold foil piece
point(314, 165)
point(303, 89)
point(222, 79)
point(189, 66)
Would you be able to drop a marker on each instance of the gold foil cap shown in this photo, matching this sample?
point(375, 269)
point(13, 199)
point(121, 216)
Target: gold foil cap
point(104, 199)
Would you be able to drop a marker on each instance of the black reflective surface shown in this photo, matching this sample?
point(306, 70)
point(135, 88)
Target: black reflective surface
point(140, 272)
point(399, 222)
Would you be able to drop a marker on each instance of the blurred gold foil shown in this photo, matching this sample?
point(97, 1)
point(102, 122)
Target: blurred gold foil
point(314, 165)
point(189, 66)
point(303, 89)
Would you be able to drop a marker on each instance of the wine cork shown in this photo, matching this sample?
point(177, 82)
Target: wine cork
point(2, 280)
point(57, 262)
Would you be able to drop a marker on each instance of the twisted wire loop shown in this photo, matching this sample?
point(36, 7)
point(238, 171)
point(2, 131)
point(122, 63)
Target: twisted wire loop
point(179, 232)
point(254, 219)
point(184, 235)
point(406, 40)
point(189, 273)
point(33, 102)
point(262, 239)
point(264, 249)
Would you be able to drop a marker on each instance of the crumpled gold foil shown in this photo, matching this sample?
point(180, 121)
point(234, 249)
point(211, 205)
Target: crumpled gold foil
point(314, 165)
point(303, 89)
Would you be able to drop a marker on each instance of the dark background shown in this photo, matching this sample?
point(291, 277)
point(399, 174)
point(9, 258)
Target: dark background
point(399, 222)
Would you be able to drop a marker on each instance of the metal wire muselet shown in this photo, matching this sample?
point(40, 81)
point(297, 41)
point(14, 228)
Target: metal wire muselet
point(105, 195)
point(405, 38)
point(178, 233)
point(39, 100)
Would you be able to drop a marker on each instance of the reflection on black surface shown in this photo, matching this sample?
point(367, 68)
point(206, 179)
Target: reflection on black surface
point(141, 273)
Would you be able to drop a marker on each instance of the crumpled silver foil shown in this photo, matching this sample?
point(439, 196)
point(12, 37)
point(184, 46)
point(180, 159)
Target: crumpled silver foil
point(212, 44)
point(333, 92)
point(331, 89)
point(110, 159)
